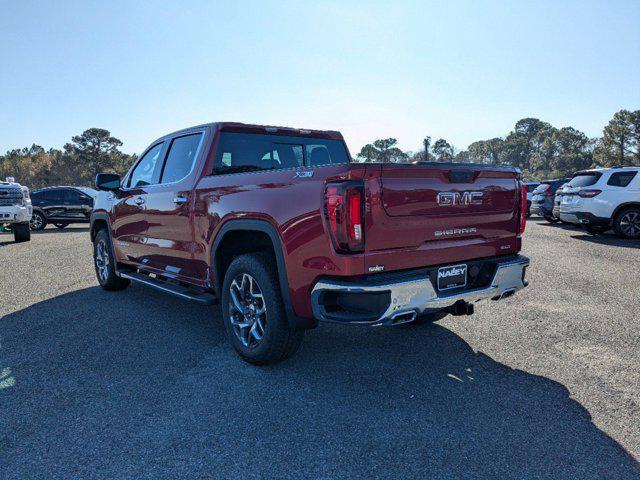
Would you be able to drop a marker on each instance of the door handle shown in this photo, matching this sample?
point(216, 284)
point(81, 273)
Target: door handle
point(139, 201)
point(180, 199)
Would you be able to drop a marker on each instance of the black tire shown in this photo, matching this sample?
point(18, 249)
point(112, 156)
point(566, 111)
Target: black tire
point(38, 221)
point(21, 232)
point(428, 318)
point(278, 340)
point(627, 223)
point(551, 219)
point(61, 225)
point(104, 263)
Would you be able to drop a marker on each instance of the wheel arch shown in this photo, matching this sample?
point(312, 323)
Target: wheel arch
point(262, 234)
point(98, 221)
point(623, 206)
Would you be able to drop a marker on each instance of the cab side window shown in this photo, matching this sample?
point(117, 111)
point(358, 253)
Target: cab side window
point(181, 157)
point(148, 169)
point(621, 179)
point(72, 196)
point(52, 196)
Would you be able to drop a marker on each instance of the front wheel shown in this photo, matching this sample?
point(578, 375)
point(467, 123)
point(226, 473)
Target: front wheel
point(627, 223)
point(21, 232)
point(38, 222)
point(104, 263)
point(253, 311)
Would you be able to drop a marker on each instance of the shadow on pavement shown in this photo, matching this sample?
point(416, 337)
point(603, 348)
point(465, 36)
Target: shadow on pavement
point(9, 235)
point(53, 229)
point(608, 239)
point(135, 384)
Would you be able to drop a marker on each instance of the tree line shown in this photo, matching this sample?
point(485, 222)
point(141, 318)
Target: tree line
point(539, 149)
point(77, 163)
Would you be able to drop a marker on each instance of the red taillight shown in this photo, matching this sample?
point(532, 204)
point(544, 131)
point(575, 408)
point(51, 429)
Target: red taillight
point(344, 206)
point(523, 209)
point(589, 193)
point(355, 215)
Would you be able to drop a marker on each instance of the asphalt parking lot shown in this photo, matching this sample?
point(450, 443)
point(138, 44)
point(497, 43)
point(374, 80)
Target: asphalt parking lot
point(136, 384)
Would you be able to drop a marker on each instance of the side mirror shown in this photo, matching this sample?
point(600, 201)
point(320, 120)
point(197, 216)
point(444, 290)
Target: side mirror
point(107, 181)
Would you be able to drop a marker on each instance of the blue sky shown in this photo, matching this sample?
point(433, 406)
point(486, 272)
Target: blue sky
point(459, 70)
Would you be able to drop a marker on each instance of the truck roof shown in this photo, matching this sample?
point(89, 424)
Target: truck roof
point(262, 129)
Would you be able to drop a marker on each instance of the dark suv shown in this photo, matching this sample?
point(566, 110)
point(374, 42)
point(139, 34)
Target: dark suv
point(61, 206)
point(543, 198)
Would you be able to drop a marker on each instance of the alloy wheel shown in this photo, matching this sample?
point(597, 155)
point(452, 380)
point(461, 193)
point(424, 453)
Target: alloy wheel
point(630, 224)
point(102, 260)
point(36, 222)
point(247, 310)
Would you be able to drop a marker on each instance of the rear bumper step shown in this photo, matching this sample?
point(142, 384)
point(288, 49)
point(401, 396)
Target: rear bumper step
point(402, 300)
point(188, 293)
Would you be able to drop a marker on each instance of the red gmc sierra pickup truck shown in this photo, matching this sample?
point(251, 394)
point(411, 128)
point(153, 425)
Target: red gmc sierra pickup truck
point(281, 228)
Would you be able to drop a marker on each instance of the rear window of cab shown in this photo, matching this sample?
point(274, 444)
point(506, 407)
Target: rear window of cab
point(247, 152)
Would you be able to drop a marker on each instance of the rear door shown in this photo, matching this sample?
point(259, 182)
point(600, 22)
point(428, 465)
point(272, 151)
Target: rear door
point(77, 205)
point(621, 187)
point(53, 203)
point(169, 246)
point(465, 212)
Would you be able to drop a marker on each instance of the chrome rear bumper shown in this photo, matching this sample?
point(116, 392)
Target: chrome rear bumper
point(410, 297)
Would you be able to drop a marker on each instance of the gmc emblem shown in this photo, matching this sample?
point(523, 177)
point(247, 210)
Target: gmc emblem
point(459, 198)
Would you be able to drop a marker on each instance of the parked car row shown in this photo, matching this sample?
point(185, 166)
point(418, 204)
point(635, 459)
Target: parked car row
point(59, 206)
point(597, 200)
point(542, 201)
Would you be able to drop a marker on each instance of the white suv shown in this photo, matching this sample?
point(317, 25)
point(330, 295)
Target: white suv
point(16, 209)
point(604, 198)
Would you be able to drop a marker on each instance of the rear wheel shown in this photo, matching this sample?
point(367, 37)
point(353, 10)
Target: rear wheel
point(105, 263)
point(21, 232)
point(38, 222)
point(627, 223)
point(253, 311)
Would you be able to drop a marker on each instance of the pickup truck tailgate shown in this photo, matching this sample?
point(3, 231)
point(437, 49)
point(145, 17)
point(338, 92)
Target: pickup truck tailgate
point(465, 211)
